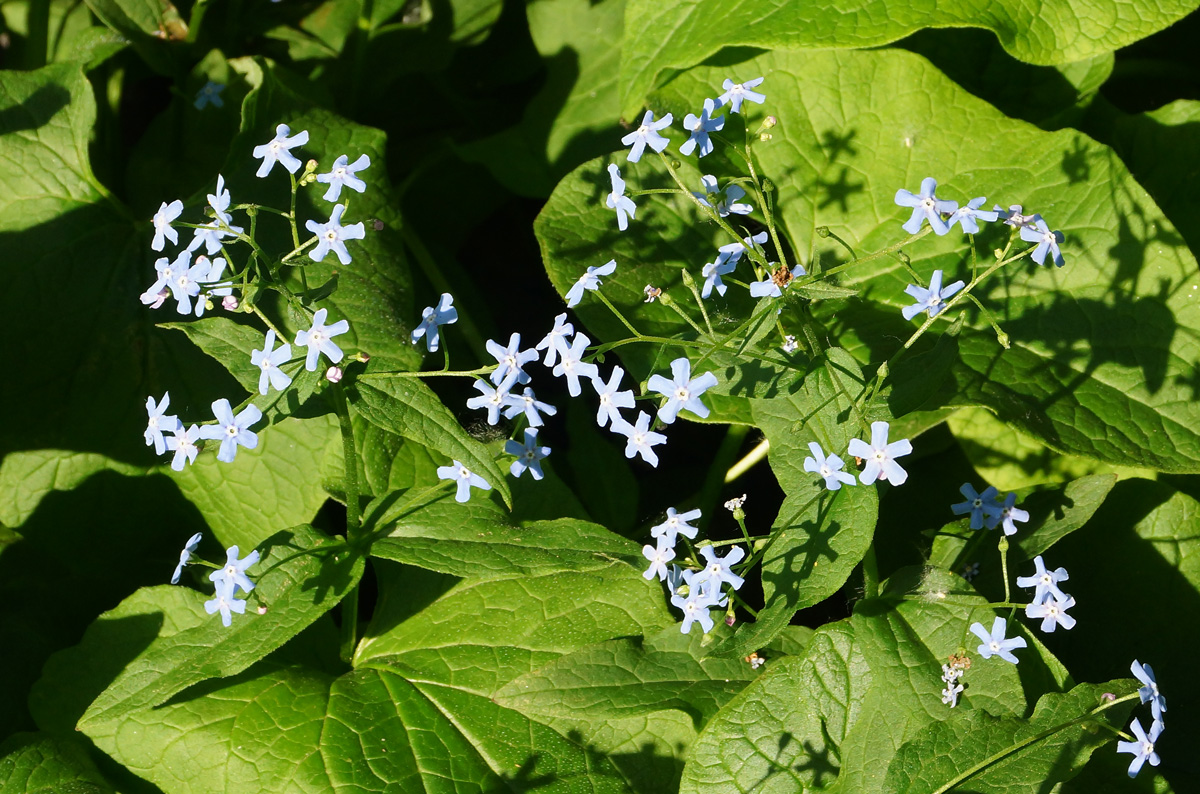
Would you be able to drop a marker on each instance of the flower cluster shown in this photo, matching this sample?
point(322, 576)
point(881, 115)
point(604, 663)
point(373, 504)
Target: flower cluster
point(951, 673)
point(228, 578)
point(1049, 602)
point(1143, 748)
point(879, 459)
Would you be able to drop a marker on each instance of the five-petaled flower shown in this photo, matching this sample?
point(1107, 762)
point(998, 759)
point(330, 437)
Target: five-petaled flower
point(220, 201)
point(232, 431)
point(735, 250)
point(555, 341)
point(319, 339)
point(1143, 748)
point(344, 174)
point(736, 93)
point(589, 281)
point(969, 215)
point(529, 455)
point(682, 392)
point(270, 361)
point(718, 569)
point(1149, 691)
point(185, 555)
point(610, 398)
point(278, 150)
point(158, 422)
point(511, 360)
point(1013, 216)
point(465, 479)
point(1053, 613)
point(234, 570)
point(210, 94)
point(333, 236)
point(432, 317)
point(225, 603)
point(491, 399)
point(1009, 514)
point(723, 201)
point(713, 271)
point(659, 555)
point(700, 126)
point(647, 134)
point(527, 403)
point(995, 644)
point(828, 467)
point(617, 200)
point(166, 215)
point(573, 367)
point(983, 507)
point(183, 444)
point(931, 300)
point(641, 439)
point(880, 456)
point(925, 207)
point(676, 524)
point(1045, 581)
point(1038, 232)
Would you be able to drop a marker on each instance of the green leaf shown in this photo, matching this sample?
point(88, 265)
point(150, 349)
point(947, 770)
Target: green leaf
point(28, 477)
point(629, 677)
point(303, 575)
point(35, 763)
point(408, 408)
point(993, 755)
point(153, 27)
point(476, 539)
point(665, 37)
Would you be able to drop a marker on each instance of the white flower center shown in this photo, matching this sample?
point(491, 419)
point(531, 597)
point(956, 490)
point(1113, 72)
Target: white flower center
point(606, 399)
point(331, 236)
point(880, 455)
point(231, 570)
point(154, 423)
point(639, 439)
point(463, 474)
point(1147, 748)
point(682, 394)
point(496, 398)
point(231, 430)
point(316, 337)
point(825, 470)
point(995, 646)
point(643, 130)
point(978, 503)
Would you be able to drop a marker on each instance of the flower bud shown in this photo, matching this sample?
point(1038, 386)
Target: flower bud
point(333, 374)
point(1002, 338)
point(652, 293)
point(730, 618)
point(262, 610)
point(769, 122)
point(377, 225)
point(822, 231)
point(362, 356)
point(229, 303)
point(766, 136)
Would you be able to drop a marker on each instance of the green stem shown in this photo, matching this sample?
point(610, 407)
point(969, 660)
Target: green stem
point(604, 299)
point(349, 624)
point(870, 568)
point(441, 373)
point(349, 464)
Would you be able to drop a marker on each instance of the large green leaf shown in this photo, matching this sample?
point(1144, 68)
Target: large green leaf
point(303, 575)
point(669, 36)
point(34, 763)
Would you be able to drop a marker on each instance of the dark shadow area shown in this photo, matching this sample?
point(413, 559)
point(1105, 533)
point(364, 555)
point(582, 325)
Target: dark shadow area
point(36, 111)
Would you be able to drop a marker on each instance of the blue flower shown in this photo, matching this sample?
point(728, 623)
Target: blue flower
point(675, 579)
point(647, 135)
point(717, 569)
point(510, 360)
point(573, 367)
point(1143, 748)
point(210, 94)
point(676, 524)
point(232, 431)
point(529, 455)
point(995, 644)
point(589, 280)
point(658, 555)
point(225, 603)
point(158, 423)
point(1046, 241)
point(1149, 692)
point(219, 202)
point(492, 400)
point(1013, 217)
point(610, 398)
point(969, 216)
point(736, 93)
point(1053, 613)
point(931, 300)
point(278, 150)
point(641, 439)
point(332, 236)
point(270, 361)
point(712, 272)
point(617, 200)
point(775, 282)
point(185, 281)
point(982, 506)
point(926, 206)
point(695, 610)
point(1045, 581)
point(343, 175)
point(701, 126)
point(185, 555)
point(166, 214)
point(555, 341)
point(682, 392)
point(212, 283)
point(735, 250)
point(828, 467)
point(465, 478)
point(1009, 514)
point(528, 404)
point(210, 236)
point(724, 201)
point(183, 444)
point(319, 339)
point(443, 314)
point(881, 456)
point(234, 570)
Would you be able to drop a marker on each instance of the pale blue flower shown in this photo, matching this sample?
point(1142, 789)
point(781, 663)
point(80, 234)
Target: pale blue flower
point(220, 201)
point(682, 392)
point(1013, 216)
point(610, 399)
point(528, 404)
point(829, 467)
point(185, 283)
point(995, 644)
point(1053, 613)
point(573, 367)
point(212, 282)
point(278, 150)
point(225, 603)
point(319, 339)
point(1143, 748)
point(210, 235)
point(555, 341)
point(1010, 514)
point(185, 555)
point(736, 93)
point(723, 201)
point(1038, 232)
point(158, 422)
point(647, 135)
point(344, 174)
point(1045, 581)
point(641, 439)
point(232, 431)
point(270, 361)
point(969, 216)
point(713, 271)
point(658, 555)
point(735, 250)
point(529, 455)
point(617, 200)
point(926, 207)
point(333, 236)
point(983, 507)
point(775, 282)
point(589, 281)
point(166, 215)
point(510, 360)
point(491, 399)
point(675, 579)
point(880, 456)
point(432, 317)
point(931, 300)
point(210, 94)
point(676, 524)
point(1149, 691)
point(465, 479)
point(718, 569)
point(183, 444)
point(234, 570)
point(700, 127)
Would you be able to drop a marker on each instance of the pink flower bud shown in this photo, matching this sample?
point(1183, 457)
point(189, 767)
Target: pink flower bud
point(333, 374)
point(230, 303)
